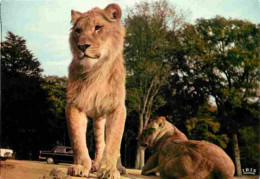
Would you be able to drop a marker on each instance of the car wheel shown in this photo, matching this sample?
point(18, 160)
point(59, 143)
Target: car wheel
point(50, 160)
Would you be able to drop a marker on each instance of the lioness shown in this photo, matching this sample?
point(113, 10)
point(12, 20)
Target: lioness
point(96, 88)
point(177, 157)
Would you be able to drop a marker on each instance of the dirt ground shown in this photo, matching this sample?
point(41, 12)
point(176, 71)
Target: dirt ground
point(19, 169)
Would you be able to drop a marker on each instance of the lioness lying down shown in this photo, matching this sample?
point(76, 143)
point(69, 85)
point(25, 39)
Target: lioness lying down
point(177, 157)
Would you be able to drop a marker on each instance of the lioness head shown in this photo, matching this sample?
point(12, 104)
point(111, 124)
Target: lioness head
point(96, 33)
point(151, 131)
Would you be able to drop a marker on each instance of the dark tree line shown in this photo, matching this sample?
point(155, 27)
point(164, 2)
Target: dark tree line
point(204, 77)
point(32, 106)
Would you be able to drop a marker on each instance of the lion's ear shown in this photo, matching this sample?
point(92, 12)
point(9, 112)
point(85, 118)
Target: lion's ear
point(161, 120)
point(114, 11)
point(74, 16)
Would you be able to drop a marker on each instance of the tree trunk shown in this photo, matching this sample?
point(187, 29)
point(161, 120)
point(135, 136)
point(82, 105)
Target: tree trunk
point(145, 113)
point(236, 154)
point(138, 158)
point(142, 151)
point(139, 161)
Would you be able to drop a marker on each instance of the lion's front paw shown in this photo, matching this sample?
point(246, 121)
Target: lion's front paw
point(111, 173)
point(95, 166)
point(78, 170)
point(121, 170)
point(108, 170)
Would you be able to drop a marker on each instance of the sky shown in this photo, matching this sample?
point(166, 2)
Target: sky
point(45, 24)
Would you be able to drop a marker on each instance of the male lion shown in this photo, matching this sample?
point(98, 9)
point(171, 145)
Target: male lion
point(177, 157)
point(96, 88)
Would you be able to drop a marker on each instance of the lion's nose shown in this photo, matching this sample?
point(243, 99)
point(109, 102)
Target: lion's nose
point(83, 47)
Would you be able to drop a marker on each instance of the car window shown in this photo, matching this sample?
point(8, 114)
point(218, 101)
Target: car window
point(69, 150)
point(60, 150)
point(53, 149)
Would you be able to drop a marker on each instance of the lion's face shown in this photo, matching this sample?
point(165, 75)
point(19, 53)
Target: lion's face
point(151, 131)
point(96, 33)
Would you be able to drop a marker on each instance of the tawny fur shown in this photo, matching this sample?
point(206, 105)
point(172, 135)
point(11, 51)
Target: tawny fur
point(96, 88)
point(177, 157)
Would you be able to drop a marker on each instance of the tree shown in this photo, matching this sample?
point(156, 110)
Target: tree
point(225, 54)
point(17, 59)
point(23, 99)
point(206, 127)
point(55, 88)
point(147, 66)
point(185, 93)
point(249, 146)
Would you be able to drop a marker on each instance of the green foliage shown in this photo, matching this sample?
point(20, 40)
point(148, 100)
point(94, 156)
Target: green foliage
point(148, 68)
point(32, 107)
point(206, 127)
point(23, 99)
point(17, 59)
point(56, 90)
point(249, 150)
point(133, 100)
point(145, 55)
point(225, 60)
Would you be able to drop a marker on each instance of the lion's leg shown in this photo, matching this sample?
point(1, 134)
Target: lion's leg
point(77, 125)
point(114, 130)
point(151, 165)
point(99, 132)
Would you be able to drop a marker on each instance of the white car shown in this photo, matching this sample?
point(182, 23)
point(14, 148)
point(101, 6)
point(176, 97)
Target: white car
point(6, 153)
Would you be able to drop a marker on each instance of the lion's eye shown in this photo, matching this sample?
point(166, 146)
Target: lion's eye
point(78, 30)
point(98, 27)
